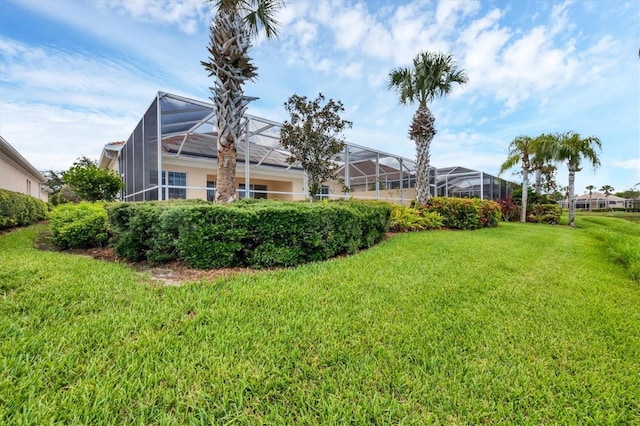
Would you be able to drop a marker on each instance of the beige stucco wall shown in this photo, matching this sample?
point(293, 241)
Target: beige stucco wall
point(15, 178)
point(391, 195)
point(200, 171)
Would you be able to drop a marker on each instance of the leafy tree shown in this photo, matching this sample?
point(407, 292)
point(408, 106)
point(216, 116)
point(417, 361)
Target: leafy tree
point(571, 148)
point(590, 188)
point(607, 190)
point(630, 193)
point(313, 137)
point(53, 181)
point(432, 75)
point(234, 24)
point(91, 183)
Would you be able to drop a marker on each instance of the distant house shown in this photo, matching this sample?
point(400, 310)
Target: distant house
point(18, 175)
point(596, 200)
point(172, 153)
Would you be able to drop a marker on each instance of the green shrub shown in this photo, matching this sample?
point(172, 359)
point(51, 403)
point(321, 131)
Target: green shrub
point(80, 225)
point(211, 236)
point(375, 217)
point(465, 213)
point(405, 219)
point(509, 209)
point(145, 230)
point(18, 209)
point(546, 213)
point(256, 233)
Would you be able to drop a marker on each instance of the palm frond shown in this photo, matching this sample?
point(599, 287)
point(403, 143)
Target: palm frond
point(258, 14)
point(432, 75)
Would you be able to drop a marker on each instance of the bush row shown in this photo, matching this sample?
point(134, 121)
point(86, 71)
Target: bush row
point(615, 209)
point(465, 213)
point(18, 209)
point(258, 234)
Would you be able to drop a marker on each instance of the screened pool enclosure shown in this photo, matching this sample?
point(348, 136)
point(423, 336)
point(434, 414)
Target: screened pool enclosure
point(172, 153)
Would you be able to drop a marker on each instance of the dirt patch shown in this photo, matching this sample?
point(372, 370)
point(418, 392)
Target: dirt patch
point(171, 273)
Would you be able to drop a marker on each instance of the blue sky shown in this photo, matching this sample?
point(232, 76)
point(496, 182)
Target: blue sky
point(75, 75)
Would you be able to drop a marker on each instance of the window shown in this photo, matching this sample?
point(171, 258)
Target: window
point(324, 192)
point(255, 191)
point(28, 187)
point(176, 183)
point(211, 190)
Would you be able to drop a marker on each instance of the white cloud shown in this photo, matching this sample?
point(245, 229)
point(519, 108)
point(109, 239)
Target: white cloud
point(350, 26)
point(305, 31)
point(74, 79)
point(352, 71)
point(187, 15)
point(631, 164)
point(56, 136)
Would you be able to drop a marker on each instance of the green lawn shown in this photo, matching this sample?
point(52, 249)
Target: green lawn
point(520, 324)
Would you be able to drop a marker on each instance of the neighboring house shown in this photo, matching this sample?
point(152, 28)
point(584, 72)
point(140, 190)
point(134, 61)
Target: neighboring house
point(597, 200)
point(18, 175)
point(172, 153)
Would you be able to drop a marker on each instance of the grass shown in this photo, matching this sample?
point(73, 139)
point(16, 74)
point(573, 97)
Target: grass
point(520, 324)
point(622, 238)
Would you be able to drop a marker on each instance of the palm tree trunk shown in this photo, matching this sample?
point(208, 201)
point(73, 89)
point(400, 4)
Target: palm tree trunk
point(231, 66)
point(572, 207)
point(422, 131)
point(538, 181)
point(525, 194)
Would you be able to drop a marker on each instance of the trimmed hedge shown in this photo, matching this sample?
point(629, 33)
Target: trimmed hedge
point(465, 213)
point(258, 233)
point(18, 209)
point(81, 225)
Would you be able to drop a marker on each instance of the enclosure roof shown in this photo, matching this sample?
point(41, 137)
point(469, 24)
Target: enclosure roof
point(189, 129)
point(461, 177)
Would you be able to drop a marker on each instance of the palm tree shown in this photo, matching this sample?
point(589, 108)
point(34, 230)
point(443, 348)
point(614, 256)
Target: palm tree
point(234, 24)
point(540, 162)
point(572, 148)
point(590, 188)
point(521, 151)
point(432, 76)
point(607, 189)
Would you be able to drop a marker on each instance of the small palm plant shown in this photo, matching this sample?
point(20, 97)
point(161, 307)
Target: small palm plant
point(590, 188)
point(432, 75)
point(607, 190)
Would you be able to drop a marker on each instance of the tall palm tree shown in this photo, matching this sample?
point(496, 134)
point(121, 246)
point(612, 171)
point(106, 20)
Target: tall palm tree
point(432, 75)
point(571, 148)
point(590, 188)
point(521, 151)
point(608, 190)
point(234, 24)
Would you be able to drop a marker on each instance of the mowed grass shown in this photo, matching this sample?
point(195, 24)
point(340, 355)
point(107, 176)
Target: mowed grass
point(520, 324)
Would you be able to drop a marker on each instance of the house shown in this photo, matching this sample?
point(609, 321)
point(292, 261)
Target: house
point(172, 153)
point(598, 200)
point(18, 175)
